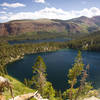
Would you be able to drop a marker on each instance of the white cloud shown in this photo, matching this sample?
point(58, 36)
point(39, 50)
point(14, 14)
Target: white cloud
point(39, 1)
point(3, 17)
point(3, 12)
point(13, 5)
point(53, 13)
point(4, 8)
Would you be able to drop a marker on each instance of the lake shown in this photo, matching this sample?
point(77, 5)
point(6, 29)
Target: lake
point(39, 41)
point(58, 64)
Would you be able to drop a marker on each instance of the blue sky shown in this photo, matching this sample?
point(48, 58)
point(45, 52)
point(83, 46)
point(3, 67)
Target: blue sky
point(52, 9)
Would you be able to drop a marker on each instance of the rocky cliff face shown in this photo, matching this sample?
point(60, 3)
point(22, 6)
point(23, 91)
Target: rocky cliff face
point(3, 30)
point(77, 25)
point(20, 27)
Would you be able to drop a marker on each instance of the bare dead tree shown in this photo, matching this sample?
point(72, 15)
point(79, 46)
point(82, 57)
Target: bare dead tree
point(4, 83)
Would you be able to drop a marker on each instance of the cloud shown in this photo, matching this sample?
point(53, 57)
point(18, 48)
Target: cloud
point(39, 1)
point(3, 12)
point(4, 8)
point(3, 17)
point(13, 5)
point(53, 13)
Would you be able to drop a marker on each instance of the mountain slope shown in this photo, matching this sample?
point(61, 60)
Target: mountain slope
point(73, 26)
point(18, 88)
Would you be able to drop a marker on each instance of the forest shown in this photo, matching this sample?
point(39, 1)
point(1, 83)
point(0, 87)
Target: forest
point(90, 42)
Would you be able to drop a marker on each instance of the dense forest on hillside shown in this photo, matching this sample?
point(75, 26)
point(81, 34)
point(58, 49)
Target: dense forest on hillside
point(89, 42)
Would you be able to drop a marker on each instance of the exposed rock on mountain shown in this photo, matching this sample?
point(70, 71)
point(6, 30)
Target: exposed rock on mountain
point(77, 25)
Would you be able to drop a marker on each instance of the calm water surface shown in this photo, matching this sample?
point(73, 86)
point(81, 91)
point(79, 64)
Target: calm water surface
point(58, 64)
point(39, 41)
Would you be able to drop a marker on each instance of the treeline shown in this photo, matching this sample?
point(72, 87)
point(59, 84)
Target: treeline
point(10, 53)
point(90, 42)
point(77, 75)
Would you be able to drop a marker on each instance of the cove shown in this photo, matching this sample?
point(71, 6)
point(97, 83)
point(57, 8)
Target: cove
point(58, 64)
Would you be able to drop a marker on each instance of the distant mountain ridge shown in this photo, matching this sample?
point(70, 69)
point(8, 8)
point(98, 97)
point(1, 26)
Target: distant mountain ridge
point(74, 26)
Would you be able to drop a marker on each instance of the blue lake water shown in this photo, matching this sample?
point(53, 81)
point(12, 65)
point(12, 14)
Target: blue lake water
point(39, 41)
point(58, 64)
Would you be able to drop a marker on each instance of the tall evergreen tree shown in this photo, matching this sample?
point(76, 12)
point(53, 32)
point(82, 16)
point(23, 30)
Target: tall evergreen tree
point(48, 91)
point(74, 73)
point(39, 74)
point(84, 87)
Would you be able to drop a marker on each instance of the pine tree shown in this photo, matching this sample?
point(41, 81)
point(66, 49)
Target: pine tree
point(74, 73)
point(60, 95)
point(48, 91)
point(84, 87)
point(39, 75)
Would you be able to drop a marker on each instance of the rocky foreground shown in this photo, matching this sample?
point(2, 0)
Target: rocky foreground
point(6, 83)
point(28, 96)
point(92, 98)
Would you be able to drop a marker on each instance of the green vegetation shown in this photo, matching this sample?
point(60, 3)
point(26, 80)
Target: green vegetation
point(90, 42)
point(35, 36)
point(39, 75)
point(39, 80)
point(76, 73)
point(18, 88)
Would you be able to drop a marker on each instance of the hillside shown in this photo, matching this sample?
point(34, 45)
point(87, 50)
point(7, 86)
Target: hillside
point(90, 42)
point(18, 88)
point(69, 27)
point(21, 92)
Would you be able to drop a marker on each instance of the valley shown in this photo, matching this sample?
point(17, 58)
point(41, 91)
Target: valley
point(57, 42)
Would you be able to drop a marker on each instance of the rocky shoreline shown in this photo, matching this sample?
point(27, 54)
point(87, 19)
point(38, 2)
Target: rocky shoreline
point(36, 50)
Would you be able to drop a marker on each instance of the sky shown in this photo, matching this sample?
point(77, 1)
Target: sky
point(51, 9)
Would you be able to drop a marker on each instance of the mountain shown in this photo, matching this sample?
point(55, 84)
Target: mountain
point(96, 20)
point(74, 26)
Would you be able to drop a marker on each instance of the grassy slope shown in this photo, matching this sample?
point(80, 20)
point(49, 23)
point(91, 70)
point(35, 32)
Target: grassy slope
point(18, 88)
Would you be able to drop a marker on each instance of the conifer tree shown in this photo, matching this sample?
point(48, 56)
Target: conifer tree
point(74, 73)
point(39, 74)
point(83, 84)
point(48, 91)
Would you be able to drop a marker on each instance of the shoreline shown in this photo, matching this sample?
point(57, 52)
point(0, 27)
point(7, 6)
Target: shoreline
point(19, 57)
